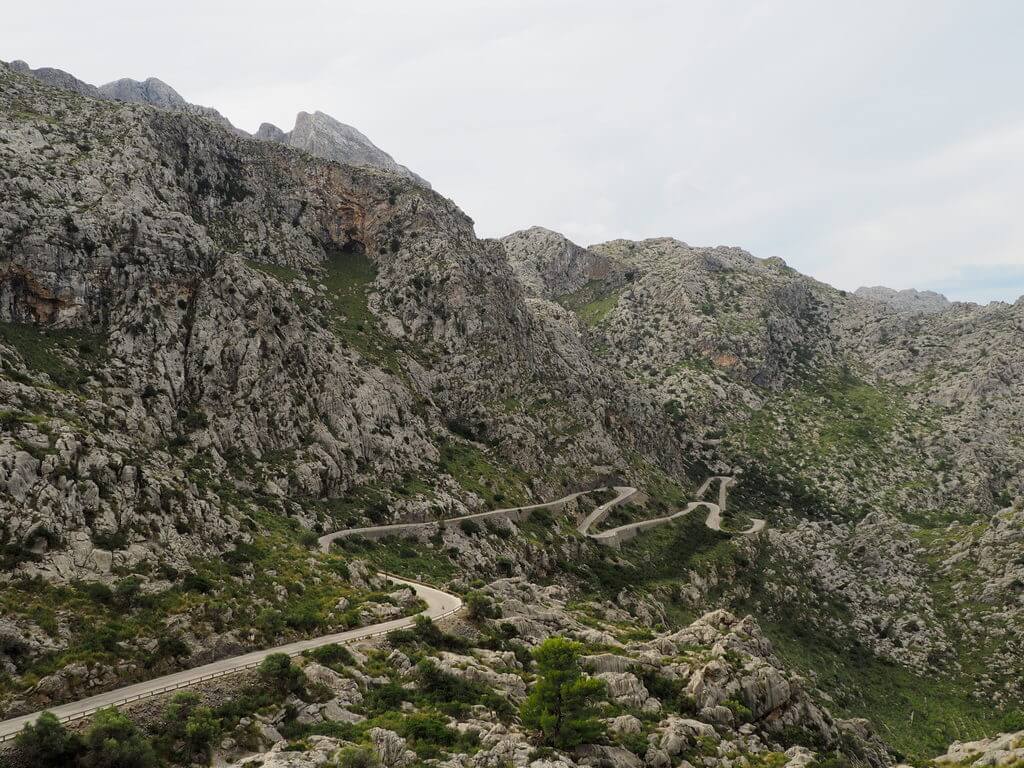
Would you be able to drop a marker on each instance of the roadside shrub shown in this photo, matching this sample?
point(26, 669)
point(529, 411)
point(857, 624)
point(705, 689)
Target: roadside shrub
point(278, 672)
point(331, 654)
point(470, 527)
point(480, 607)
point(113, 741)
point(171, 647)
point(48, 744)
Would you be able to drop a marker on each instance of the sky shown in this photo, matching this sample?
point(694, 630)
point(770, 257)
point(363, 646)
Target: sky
point(877, 142)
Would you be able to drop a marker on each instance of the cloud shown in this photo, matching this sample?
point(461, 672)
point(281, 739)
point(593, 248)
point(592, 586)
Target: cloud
point(938, 219)
point(870, 142)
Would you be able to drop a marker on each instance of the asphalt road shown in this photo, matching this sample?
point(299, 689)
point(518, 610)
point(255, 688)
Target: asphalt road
point(439, 604)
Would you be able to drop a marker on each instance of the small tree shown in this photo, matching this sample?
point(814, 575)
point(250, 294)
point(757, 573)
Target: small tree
point(561, 705)
point(48, 744)
point(278, 672)
point(480, 606)
point(113, 741)
point(190, 724)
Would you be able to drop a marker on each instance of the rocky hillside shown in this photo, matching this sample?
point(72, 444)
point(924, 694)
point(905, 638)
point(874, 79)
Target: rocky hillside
point(875, 439)
point(216, 347)
point(213, 345)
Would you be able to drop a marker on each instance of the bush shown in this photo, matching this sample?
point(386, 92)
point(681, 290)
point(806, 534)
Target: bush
point(426, 633)
point(170, 647)
point(470, 527)
point(357, 757)
point(634, 742)
point(127, 593)
point(331, 654)
point(1012, 721)
point(48, 744)
point(480, 607)
point(427, 733)
point(303, 618)
point(96, 591)
point(278, 672)
point(113, 741)
point(196, 582)
point(190, 727)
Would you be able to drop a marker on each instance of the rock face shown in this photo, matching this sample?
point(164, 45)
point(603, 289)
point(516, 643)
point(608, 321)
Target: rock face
point(317, 133)
point(149, 91)
point(550, 265)
point(908, 300)
point(319, 325)
point(58, 78)
point(323, 136)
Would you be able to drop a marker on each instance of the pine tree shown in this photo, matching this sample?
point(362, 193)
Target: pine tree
point(561, 705)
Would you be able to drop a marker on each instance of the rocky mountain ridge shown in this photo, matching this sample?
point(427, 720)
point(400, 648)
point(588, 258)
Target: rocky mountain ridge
point(215, 348)
point(319, 134)
point(907, 300)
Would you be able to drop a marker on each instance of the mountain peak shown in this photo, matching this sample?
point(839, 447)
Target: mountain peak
point(549, 264)
point(152, 90)
point(907, 300)
point(324, 136)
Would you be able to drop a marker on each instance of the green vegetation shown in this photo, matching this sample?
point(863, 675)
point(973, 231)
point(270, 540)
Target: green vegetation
point(560, 706)
point(659, 557)
point(496, 482)
point(832, 429)
point(189, 728)
point(48, 744)
point(104, 624)
point(592, 302)
point(348, 278)
point(919, 716)
point(68, 356)
point(284, 275)
point(401, 557)
point(112, 741)
point(279, 674)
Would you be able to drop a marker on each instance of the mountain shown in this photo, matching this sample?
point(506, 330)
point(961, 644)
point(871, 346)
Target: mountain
point(57, 78)
point(217, 348)
point(908, 300)
point(550, 265)
point(323, 136)
point(317, 133)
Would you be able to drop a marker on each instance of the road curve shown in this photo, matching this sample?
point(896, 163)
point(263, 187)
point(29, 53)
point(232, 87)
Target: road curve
point(439, 605)
point(614, 537)
point(378, 531)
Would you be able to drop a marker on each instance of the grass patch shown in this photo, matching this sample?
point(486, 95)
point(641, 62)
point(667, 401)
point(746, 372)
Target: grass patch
point(592, 302)
point(67, 356)
point(348, 277)
point(284, 275)
point(501, 486)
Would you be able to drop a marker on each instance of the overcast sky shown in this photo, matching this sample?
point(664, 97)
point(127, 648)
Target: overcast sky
point(865, 142)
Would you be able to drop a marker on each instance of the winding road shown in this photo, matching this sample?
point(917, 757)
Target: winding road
point(614, 537)
point(440, 604)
